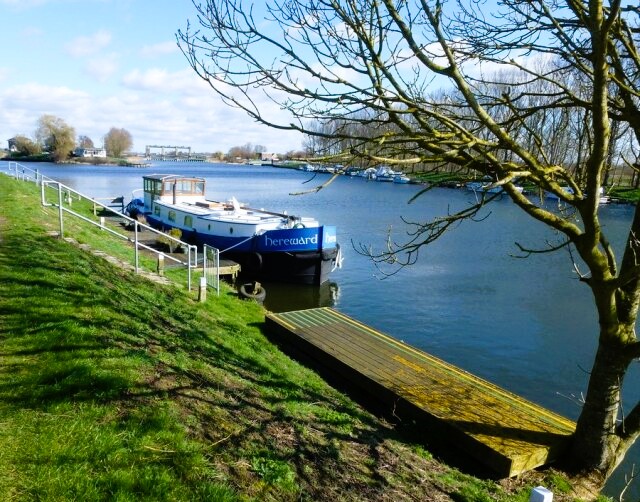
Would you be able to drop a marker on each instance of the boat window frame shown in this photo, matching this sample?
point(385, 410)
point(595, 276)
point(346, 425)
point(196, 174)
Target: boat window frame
point(182, 186)
point(152, 186)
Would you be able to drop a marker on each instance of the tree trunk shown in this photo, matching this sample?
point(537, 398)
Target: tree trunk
point(595, 449)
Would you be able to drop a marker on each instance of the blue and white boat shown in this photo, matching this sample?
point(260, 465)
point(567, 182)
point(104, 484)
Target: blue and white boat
point(485, 186)
point(385, 173)
point(401, 179)
point(269, 246)
point(603, 198)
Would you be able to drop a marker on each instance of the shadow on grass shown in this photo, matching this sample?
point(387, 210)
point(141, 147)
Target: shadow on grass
point(76, 330)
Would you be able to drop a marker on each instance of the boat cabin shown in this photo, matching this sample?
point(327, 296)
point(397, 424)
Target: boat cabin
point(173, 189)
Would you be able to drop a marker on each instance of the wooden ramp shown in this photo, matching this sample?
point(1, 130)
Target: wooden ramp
point(502, 431)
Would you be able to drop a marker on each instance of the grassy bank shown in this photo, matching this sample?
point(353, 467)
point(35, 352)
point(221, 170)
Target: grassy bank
point(116, 388)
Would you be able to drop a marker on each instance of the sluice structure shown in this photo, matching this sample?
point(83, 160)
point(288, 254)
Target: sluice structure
point(172, 153)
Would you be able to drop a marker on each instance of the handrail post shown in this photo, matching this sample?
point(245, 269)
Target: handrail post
point(189, 267)
point(60, 210)
point(217, 262)
point(135, 231)
point(193, 264)
point(190, 264)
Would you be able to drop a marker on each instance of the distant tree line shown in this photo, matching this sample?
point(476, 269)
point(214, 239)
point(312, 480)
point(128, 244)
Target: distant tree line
point(58, 139)
point(561, 135)
point(251, 151)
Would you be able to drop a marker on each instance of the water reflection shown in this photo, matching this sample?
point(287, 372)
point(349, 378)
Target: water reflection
point(285, 297)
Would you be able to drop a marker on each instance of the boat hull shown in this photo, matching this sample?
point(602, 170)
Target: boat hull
point(298, 255)
point(306, 267)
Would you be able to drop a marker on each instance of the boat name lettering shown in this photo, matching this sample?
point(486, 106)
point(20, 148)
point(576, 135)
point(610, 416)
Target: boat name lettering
point(290, 241)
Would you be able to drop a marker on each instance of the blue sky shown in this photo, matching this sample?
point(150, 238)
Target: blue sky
point(99, 64)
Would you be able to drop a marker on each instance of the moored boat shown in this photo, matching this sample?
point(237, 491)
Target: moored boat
point(401, 179)
point(385, 173)
point(269, 246)
point(369, 174)
point(486, 186)
point(603, 198)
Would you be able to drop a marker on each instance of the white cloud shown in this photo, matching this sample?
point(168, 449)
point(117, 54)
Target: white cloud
point(88, 45)
point(21, 106)
point(102, 68)
point(153, 79)
point(202, 122)
point(159, 80)
point(38, 94)
point(160, 49)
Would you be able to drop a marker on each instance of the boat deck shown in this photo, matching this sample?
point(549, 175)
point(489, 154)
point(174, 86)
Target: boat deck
point(501, 430)
point(222, 212)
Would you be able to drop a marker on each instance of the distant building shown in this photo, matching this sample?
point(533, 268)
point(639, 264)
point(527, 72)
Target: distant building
point(269, 157)
point(13, 147)
point(90, 152)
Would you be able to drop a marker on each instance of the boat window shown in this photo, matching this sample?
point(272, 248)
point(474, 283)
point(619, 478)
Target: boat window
point(168, 187)
point(172, 216)
point(156, 210)
point(188, 221)
point(152, 186)
point(200, 187)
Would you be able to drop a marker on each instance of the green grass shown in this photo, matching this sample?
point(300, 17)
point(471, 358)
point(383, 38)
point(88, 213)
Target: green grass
point(627, 194)
point(116, 388)
point(624, 194)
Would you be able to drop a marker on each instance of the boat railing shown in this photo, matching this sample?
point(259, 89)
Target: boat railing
point(65, 195)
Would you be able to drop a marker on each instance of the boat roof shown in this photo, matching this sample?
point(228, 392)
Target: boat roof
point(247, 216)
point(167, 177)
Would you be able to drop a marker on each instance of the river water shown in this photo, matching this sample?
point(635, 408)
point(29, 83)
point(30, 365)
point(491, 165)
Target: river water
point(526, 324)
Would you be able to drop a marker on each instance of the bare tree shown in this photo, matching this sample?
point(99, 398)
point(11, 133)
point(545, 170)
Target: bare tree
point(56, 137)
point(85, 142)
point(246, 151)
point(117, 141)
point(372, 64)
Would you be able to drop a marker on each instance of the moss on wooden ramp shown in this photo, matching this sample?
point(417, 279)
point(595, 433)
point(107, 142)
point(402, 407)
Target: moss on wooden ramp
point(501, 430)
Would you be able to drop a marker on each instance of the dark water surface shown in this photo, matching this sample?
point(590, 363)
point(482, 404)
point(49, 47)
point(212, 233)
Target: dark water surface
point(525, 324)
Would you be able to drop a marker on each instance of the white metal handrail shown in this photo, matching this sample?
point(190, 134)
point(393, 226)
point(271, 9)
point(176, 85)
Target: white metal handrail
point(192, 250)
point(27, 174)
